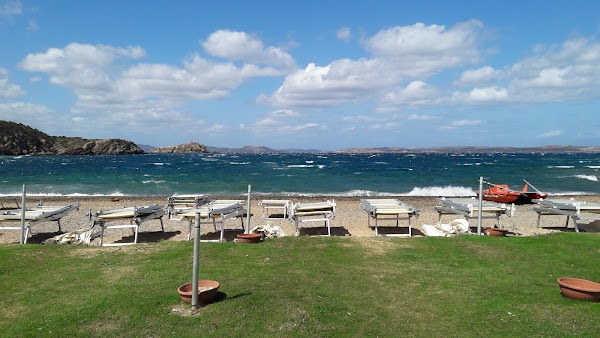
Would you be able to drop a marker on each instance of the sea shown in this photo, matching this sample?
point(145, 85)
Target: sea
point(309, 174)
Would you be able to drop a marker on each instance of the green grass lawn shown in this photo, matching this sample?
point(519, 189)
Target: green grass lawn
point(360, 287)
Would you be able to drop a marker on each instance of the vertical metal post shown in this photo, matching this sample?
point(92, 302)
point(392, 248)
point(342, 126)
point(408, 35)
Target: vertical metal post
point(23, 216)
point(196, 262)
point(479, 214)
point(248, 209)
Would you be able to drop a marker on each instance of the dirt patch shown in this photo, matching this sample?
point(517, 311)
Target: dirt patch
point(380, 246)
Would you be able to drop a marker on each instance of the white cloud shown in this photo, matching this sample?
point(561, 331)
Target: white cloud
point(551, 133)
point(105, 77)
point(283, 122)
point(8, 90)
point(239, 46)
point(399, 54)
point(344, 34)
point(482, 95)
point(415, 93)
point(475, 76)
point(420, 117)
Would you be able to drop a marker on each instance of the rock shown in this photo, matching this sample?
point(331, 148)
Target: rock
point(192, 147)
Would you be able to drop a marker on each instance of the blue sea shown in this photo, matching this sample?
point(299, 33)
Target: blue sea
point(297, 174)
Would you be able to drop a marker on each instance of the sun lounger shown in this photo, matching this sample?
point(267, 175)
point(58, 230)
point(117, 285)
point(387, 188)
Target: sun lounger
point(134, 215)
point(469, 208)
point(34, 215)
point(577, 210)
point(210, 213)
point(283, 205)
point(388, 209)
point(313, 212)
point(185, 201)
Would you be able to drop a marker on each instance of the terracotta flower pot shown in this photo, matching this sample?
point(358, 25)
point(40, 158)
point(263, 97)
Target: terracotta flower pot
point(248, 238)
point(579, 289)
point(495, 232)
point(207, 291)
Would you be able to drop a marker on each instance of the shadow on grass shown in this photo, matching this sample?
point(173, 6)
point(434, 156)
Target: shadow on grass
point(150, 237)
point(322, 231)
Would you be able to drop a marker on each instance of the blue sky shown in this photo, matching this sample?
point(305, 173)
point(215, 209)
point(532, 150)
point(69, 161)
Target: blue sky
point(305, 74)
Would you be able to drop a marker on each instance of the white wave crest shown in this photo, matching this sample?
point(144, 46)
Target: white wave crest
point(560, 167)
point(153, 181)
point(593, 166)
point(300, 166)
point(588, 177)
point(447, 191)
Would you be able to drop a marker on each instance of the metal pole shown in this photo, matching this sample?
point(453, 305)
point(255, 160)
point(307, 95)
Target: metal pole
point(23, 216)
point(196, 262)
point(248, 209)
point(479, 213)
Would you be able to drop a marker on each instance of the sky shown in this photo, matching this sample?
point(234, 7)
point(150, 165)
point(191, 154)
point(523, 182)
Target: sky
point(308, 74)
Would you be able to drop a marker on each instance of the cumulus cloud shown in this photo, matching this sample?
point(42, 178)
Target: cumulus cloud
point(475, 76)
point(108, 78)
point(8, 90)
point(239, 46)
point(482, 95)
point(551, 133)
point(398, 54)
point(415, 93)
point(344, 34)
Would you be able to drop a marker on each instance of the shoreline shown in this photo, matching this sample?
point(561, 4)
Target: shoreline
point(350, 219)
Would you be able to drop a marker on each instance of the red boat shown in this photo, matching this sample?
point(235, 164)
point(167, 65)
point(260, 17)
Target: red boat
point(501, 193)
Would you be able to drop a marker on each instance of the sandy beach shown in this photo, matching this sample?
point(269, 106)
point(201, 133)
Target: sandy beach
point(350, 219)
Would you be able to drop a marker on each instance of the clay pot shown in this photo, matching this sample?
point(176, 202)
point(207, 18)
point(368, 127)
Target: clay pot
point(207, 291)
point(579, 289)
point(495, 232)
point(248, 238)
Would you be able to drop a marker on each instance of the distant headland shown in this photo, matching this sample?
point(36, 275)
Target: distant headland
point(18, 139)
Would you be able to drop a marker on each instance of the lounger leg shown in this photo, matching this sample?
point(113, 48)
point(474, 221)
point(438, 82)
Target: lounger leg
point(162, 226)
point(101, 234)
point(222, 230)
point(567, 222)
point(58, 222)
point(328, 228)
point(189, 229)
point(409, 228)
point(296, 227)
point(538, 220)
point(376, 230)
point(27, 231)
point(135, 234)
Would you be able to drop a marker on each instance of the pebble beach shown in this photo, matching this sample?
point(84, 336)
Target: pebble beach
point(350, 219)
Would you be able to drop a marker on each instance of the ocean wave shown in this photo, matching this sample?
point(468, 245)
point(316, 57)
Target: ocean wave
point(593, 166)
point(447, 191)
point(588, 177)
point(300, 166)
point(153, 181)
point(560, 167)
point(239, 163)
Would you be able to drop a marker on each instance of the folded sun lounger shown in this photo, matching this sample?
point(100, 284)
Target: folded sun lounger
point(577, 210)
point(185, 201)
point(210, 213)
point(134, 215)
point(313, 212)
point(469, 208)
point(34, 215)
point(389, 209)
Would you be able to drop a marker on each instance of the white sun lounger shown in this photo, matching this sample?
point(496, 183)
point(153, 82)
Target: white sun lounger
point(209, 213)
point(389, 209)
point(34, 215)
point(283, 205)
point(185, 201)
point(134, 215)
point(313, 212)
point(469, 208)
point(577, 210)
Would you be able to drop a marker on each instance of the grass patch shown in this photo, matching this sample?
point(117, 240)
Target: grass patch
point(464, 286)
